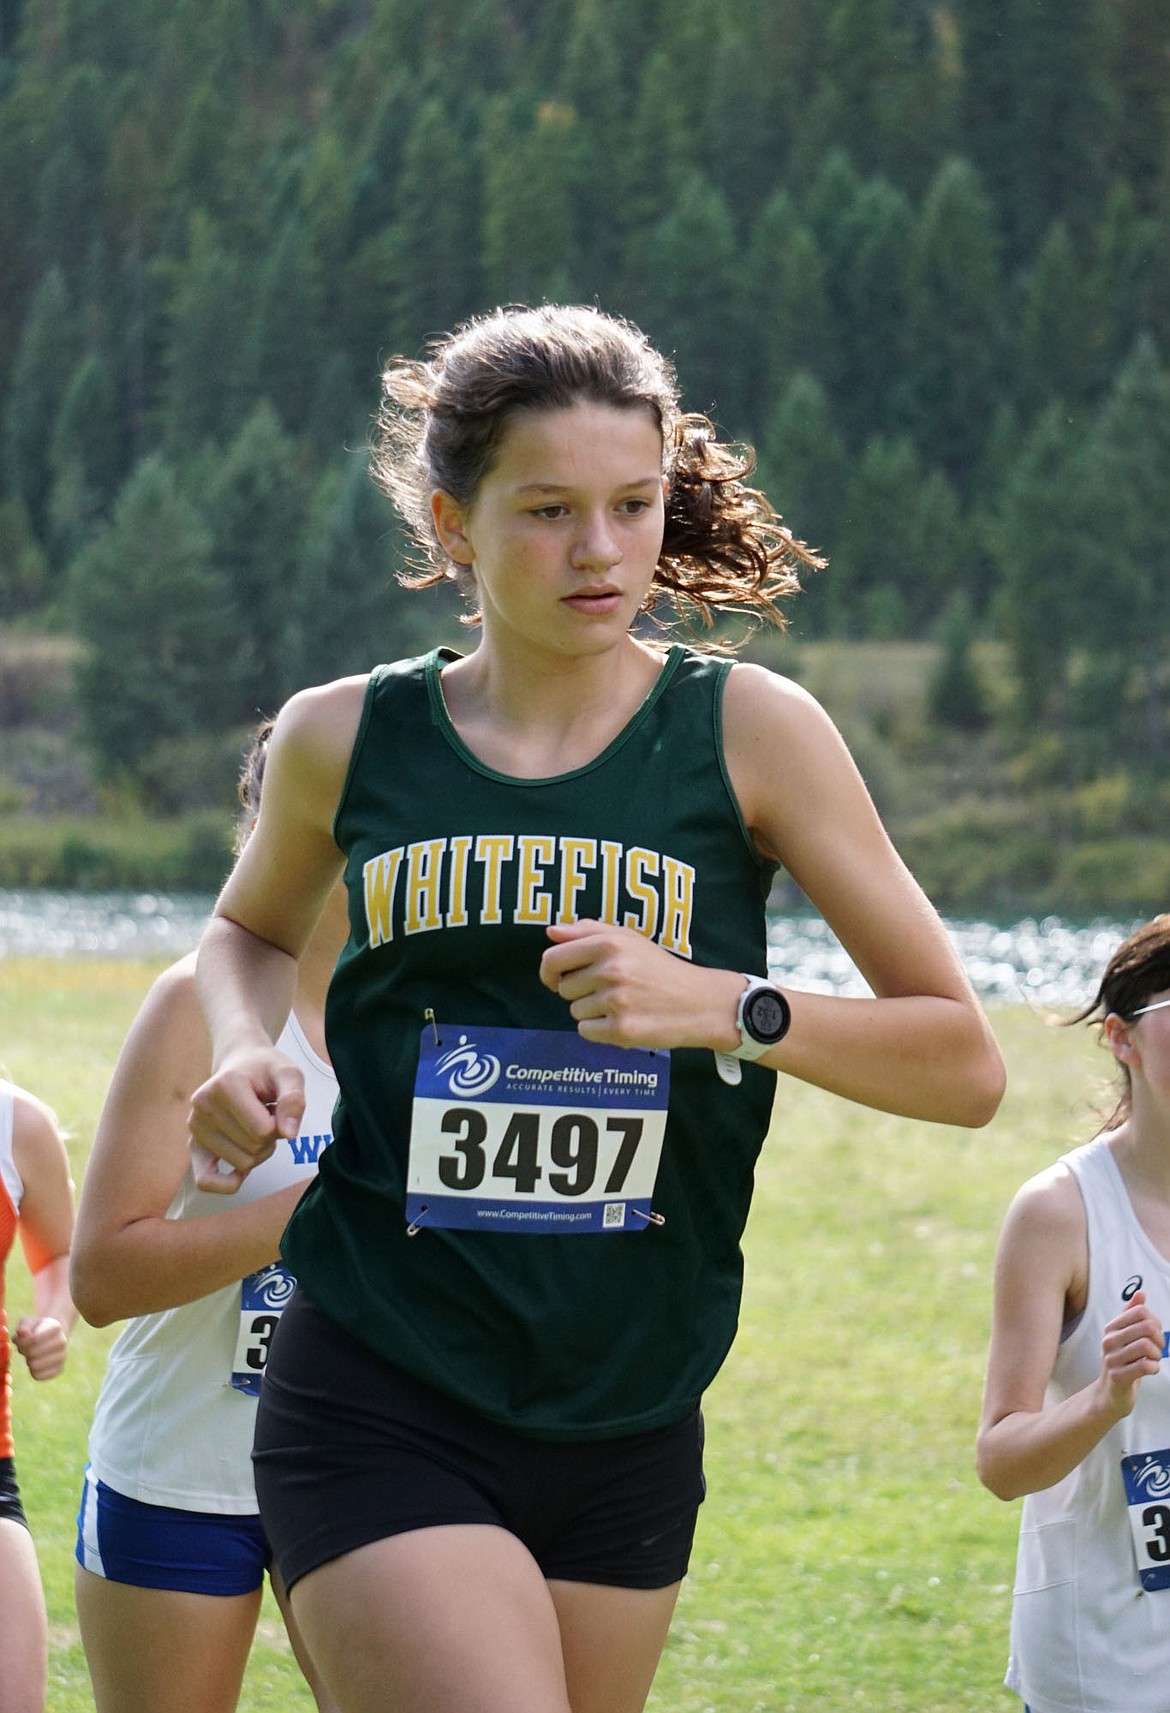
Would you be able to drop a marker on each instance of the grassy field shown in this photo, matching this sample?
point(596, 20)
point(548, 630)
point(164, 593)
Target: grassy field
point(846, 1555)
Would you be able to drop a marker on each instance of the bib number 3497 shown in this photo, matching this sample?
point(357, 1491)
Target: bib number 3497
point(534, 1131)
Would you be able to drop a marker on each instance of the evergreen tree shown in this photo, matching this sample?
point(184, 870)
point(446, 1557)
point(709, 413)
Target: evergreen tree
point(786, 309)
point(663, 148)
point(289, 328)
point(803, 470)
point(1057, 353)
point(940, 553)
point(1122, 272)
point(429, 255)
point(40, 377)
point(254, 509)
point(24, 569)
point(206, 362)
point(591, 86)
point(1128, 460)
point(158, 625)
point(875, 572)
point(953, 323)
point(84, 457)
point(527, 207)
point(1038, 536)
point(376, 176)
point(1038, 110)
point(874, 233)
point(955, 694)
point(1142, 95)
point(70, 183)
point(741, 126)
point(349, 611)
point(690, 299)
point(863, 96)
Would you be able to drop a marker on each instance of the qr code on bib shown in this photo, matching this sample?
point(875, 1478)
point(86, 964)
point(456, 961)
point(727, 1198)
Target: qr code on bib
point(615, 1213)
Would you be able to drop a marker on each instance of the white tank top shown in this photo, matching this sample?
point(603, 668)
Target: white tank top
point(176, 1411)
point(1091, 1605)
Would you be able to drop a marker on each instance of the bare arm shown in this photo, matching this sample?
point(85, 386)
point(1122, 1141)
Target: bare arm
point(265, 915)
point(1040, 1274)
point(921, 1047)
point(46, 1230)
point(128, 1257)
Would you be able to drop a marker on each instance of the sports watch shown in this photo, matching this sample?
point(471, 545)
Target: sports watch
point(762, 1018)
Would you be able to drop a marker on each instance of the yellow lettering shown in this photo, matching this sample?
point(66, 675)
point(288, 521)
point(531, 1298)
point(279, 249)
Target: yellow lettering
point(536, 852)
point(493, 850)
point(423, 873)
point(678, 902)
point(576, 854)
point(639, 863)
point(379, 878)
point(457, 884)
point(611, 858)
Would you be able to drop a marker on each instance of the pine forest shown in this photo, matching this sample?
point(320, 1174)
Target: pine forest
point(916, 252)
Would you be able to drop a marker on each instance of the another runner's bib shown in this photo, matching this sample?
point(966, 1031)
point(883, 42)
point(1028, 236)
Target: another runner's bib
point(263, 1297)
point(534, 1130)
point(1147, 1493)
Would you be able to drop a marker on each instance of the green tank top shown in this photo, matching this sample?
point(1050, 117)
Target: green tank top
point(453, 873)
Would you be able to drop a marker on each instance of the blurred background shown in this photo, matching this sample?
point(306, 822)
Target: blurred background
point(917, 253)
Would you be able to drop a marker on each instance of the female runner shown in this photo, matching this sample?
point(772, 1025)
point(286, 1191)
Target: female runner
point(171, 1553)
point(479, 1443)
point(1077, 1409)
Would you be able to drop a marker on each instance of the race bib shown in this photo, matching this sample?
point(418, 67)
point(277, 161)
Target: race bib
point(263, 1297)
point(534, 1130)
point(1147, 1493)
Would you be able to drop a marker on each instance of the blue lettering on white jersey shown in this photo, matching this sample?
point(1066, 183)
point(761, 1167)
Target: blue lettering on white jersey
point(307, 1149)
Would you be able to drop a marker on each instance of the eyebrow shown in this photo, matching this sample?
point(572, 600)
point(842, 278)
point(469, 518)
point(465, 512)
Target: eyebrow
point(565, 487)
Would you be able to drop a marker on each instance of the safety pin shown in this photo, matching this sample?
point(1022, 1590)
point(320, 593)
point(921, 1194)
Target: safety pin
point(650, 1218)
point(429, 1017)
point(415, 1227)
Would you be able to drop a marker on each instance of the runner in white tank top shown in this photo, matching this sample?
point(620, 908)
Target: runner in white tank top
point(1077, 1409)
point(171, 1552)
point(174, 1418)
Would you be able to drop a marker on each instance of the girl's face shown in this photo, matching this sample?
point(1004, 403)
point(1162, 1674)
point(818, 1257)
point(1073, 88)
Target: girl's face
point(564, 532)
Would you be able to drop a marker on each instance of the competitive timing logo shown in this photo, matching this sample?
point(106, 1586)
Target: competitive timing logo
point(468, 1071)
point(1151, 1478)
point(272, 1287)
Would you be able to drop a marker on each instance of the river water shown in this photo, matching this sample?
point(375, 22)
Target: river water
point(1046, 962)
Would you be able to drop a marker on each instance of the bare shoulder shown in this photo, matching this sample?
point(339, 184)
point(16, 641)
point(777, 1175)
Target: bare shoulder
point(1050, 1200)
point(756, 699)
point(322, 721)
point(169, 1031)
point(1045, 1230)
point(35, 1130)
point(309, 755)
point(39, 1152)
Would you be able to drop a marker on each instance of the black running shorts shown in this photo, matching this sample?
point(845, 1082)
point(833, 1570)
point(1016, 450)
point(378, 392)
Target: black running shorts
point(350, 1450)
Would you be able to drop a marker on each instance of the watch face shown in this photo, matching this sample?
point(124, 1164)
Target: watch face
point(766, 1015)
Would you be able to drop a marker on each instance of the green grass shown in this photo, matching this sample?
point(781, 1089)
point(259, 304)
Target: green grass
point(846, 1556)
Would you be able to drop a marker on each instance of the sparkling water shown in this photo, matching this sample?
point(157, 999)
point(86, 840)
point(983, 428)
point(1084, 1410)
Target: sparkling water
point(1046, 962)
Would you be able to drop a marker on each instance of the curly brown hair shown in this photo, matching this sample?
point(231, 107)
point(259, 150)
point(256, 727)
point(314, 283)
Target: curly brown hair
point(1139, 968)
point(442, 420)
